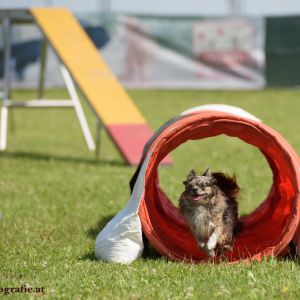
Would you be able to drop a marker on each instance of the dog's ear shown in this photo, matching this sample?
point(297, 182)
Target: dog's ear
point(191, 175)
point(213, 181)
point(207, 172)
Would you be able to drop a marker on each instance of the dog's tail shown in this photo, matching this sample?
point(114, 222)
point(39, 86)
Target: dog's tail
point(227, 184)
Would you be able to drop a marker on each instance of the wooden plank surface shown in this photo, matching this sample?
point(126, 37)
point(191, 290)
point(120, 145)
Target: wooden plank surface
point(75, 49)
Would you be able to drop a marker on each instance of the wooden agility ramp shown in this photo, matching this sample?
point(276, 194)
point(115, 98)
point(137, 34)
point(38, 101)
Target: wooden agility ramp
point(106, 96)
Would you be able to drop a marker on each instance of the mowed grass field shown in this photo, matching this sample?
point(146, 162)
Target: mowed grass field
point(55, 198)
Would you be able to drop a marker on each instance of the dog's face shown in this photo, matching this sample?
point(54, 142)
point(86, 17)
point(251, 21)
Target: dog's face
point(199, 189)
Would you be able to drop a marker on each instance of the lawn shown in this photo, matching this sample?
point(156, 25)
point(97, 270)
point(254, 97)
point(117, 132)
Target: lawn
point(55, 198)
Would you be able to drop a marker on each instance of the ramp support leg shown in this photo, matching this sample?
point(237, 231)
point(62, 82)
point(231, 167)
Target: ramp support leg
point(99, 126)
point(43, 59)
point(6, 82)
point(78, 108)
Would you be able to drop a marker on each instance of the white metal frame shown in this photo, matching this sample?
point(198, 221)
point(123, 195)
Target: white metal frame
point(6, 23)
point(78, 109)
point(40, 103)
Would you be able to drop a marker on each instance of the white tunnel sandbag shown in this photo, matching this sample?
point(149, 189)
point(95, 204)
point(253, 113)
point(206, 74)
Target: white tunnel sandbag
point(121, 241)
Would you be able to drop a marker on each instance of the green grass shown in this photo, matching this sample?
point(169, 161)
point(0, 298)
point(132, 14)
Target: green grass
point(55, 197)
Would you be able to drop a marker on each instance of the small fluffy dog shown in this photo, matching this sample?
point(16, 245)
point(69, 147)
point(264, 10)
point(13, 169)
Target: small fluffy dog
point(210, 208)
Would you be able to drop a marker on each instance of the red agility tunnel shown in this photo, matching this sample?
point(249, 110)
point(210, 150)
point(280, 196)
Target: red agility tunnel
point(268, 230)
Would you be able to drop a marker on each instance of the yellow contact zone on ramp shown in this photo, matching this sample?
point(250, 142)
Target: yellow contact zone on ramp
point(105, 94)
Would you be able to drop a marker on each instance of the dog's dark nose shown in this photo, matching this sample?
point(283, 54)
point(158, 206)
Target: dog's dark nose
point(194, 190)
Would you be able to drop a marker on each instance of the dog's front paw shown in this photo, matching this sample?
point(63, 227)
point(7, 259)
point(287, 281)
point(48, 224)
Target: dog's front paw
point(227, 247)
point(211, 253)
point(201, 245)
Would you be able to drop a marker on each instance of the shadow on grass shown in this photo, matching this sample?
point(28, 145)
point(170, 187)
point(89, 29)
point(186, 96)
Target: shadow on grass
point(148, 253)
point(93, 231)
point(291, 254)
point(92, 234)
point(50, 157)
point(88, 256)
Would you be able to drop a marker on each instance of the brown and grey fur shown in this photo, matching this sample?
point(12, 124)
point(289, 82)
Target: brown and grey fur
point(210, 208)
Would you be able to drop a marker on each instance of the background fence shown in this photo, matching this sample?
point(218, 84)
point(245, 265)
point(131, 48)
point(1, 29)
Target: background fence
point(177, 52)
point(283, 51)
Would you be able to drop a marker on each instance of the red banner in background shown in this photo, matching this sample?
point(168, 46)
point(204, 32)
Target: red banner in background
point(158, 52)
point(217, 53)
